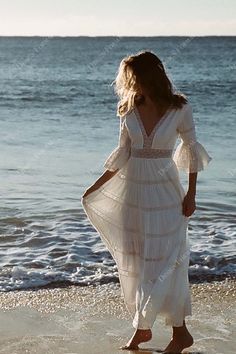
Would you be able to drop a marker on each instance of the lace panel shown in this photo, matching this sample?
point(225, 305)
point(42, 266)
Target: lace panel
point(127, 273)
point(145, 181)
point(139, 255)
point(136, 231)
point(121, 201)
point(151, 153)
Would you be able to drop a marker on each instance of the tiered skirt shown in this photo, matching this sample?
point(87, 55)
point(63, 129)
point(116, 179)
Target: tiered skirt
point(138, 215)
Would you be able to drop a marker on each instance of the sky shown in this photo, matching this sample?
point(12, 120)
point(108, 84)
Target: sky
point(117, 17)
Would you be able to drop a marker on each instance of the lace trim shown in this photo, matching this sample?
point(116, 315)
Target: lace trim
point(140, 255)
point(144, 181)
point(147, 139)
point(151, 153)
point(127, 273)
point(120, 200)
point(186, 130)
point(135, 231)
point(191, 156)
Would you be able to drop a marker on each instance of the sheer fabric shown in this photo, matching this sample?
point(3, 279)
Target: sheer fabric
point(190, 155)
point(121, 153)
point(138, 215)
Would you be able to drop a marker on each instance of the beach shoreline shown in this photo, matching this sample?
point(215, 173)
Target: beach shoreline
point(77, 319)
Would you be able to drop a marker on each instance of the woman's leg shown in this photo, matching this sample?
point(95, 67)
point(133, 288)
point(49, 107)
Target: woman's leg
point(180, 340)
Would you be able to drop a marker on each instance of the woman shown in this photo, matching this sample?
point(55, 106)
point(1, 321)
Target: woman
point(139, 206)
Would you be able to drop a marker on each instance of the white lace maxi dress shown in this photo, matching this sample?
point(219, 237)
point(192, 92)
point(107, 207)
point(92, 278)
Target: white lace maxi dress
point(138, 214)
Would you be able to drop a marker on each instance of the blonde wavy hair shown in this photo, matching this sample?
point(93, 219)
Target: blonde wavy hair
point(144, 70)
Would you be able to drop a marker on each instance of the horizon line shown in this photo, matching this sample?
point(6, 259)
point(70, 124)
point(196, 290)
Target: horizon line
point(125, 36)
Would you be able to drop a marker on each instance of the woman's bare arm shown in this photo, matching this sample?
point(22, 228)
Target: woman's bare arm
point(192, 182)
point(189, 205)
point(100, 181)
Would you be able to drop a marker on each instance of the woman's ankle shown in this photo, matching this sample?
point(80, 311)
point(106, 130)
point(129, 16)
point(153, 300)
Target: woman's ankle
point(180, 331)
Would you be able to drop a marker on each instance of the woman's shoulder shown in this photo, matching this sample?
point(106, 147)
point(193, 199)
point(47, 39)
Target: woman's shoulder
point(182, 112)
point(183, 106)
point(186, 106)
point(185, 110)
point(127, 115)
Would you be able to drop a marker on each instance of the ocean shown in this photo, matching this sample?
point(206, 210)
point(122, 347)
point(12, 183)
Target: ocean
point(58, 124)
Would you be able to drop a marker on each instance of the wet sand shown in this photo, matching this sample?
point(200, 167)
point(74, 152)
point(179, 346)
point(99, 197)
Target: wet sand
point(92, 319)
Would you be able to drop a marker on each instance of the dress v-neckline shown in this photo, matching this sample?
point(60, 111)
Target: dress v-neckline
point(156, 126)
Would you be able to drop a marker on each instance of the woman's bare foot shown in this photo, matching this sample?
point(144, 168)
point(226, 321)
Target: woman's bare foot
point(141, 335)
point(180, 340)
point(177, 345)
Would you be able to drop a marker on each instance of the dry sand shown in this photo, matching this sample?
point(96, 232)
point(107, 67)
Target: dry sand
point(92, 319)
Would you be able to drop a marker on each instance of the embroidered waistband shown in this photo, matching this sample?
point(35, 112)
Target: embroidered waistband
point(150, 153)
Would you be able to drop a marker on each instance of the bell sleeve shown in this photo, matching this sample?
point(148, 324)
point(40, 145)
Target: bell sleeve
point(120, 155)
point(190, 155)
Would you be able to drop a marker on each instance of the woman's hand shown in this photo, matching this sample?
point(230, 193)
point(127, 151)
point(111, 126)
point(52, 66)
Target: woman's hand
point(88, 191)
point(189, 205)
point(100, 181)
